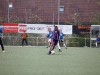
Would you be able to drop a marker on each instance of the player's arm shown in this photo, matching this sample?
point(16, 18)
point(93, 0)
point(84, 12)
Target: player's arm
point(26, 35)
point(63, 34)
point(51, 34)
point(22, 35)
point(2, 35)
point(47, 35)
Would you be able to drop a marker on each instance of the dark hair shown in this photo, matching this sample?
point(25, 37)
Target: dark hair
point(56, 28)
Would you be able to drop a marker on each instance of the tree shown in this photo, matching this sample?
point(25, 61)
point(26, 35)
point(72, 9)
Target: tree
point(0, 19)
point(98, 2)
point(76, 19)
point(34, 18)
point(95, 18)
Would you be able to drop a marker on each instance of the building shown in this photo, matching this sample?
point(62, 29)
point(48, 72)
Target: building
point(46, 11)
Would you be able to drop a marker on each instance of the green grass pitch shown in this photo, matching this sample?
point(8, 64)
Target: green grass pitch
point(35, 61)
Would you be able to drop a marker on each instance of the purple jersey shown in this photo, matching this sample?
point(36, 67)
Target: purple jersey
point(56, 35)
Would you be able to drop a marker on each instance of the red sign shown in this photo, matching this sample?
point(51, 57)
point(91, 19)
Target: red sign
point(10, 27)
point(22, 28)
point(84, 27)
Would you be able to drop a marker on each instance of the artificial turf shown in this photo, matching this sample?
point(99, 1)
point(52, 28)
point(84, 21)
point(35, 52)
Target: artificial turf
point(35, 61)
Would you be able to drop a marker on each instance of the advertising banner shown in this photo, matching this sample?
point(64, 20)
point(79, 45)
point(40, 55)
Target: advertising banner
point(42, 28)
point(31, 28)
point(82, 29)
point(10, 27)
point(66, 29)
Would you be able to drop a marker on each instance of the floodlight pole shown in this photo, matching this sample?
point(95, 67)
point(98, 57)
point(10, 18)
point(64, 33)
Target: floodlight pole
point(53, 18)
point(58, 11)
point(26, 17)
point(90, 37)
point(8, 11)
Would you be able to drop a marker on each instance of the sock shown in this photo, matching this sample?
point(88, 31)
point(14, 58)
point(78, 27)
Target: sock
point(64, 45)
point(58, 45)
point(96, 44)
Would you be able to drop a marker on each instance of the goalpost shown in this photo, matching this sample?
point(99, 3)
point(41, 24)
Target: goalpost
point(94, 32)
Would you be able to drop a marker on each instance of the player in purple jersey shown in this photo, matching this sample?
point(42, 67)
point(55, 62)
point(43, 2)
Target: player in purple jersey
point(55, 39)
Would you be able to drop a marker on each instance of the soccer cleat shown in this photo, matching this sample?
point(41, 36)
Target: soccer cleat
point(3, 51)
point(49, 53)
point(60, 50)
point(47, 47)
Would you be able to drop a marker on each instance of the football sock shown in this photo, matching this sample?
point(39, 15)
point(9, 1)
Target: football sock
point(64, 45)
point(96, 44)
point(58, 45)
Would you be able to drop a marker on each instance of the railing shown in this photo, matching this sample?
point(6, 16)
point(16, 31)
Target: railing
point(38, 41)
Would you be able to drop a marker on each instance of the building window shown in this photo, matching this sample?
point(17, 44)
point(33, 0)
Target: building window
point(61, 8)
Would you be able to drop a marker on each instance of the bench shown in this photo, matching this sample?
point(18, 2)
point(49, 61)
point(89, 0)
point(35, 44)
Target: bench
point(93, 39)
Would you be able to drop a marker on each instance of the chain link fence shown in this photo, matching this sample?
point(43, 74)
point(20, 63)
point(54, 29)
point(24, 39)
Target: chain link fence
point(40, 41)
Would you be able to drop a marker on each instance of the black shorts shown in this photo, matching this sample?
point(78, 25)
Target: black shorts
point(55, 42)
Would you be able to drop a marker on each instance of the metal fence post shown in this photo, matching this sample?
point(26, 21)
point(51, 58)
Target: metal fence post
point(85, 42)
point(37, 41)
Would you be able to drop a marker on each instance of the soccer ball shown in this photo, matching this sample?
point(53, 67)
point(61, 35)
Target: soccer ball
point(52, 52)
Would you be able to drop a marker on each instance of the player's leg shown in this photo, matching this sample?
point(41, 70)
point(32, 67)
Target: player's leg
point(96, 44)
point(26, 42)
point(62, 40)
point(2, 45)
point(22, 42)
point(59, 46)
point(49, 42)
point(48, 45)
point(64, 45)
point(55, 43)
point(52, 46)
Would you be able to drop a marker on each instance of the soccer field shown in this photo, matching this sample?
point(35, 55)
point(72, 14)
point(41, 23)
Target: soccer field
point(35, 61)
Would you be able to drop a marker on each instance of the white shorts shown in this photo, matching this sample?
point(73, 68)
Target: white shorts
point(49, 40)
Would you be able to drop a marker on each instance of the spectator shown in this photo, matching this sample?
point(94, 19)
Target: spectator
point(24, 38)
point(98, 40)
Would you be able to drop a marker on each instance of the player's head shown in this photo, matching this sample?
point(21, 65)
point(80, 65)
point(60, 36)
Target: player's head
point(49, 29)
point(55, 28)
